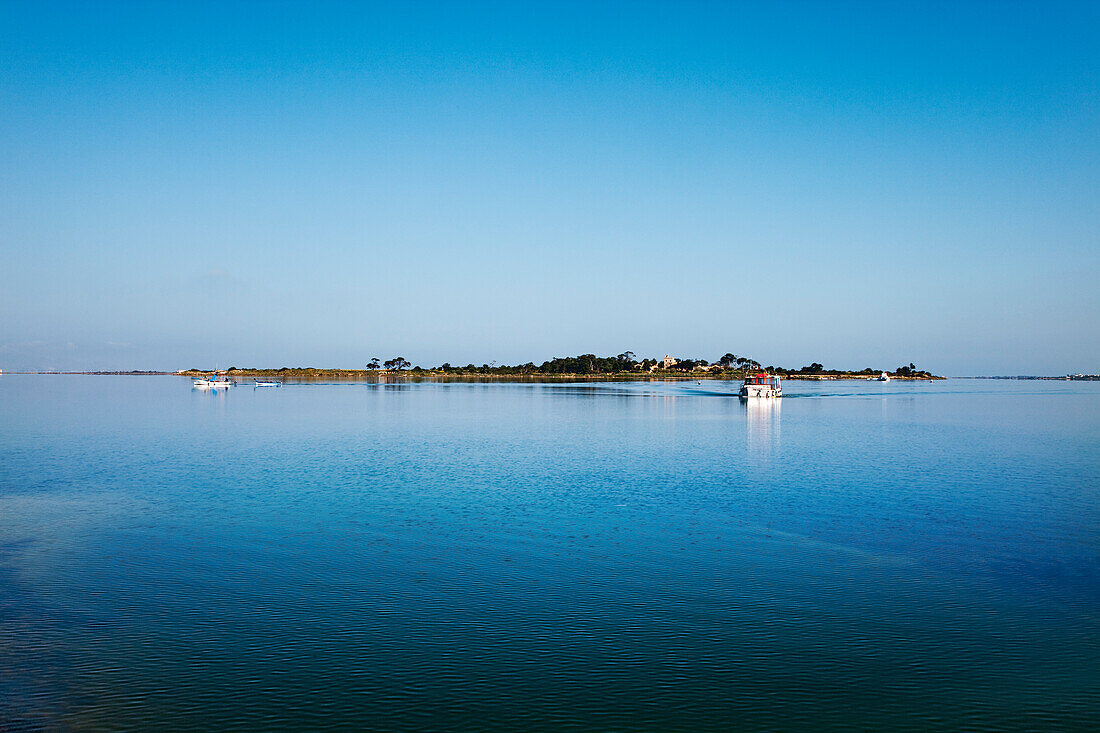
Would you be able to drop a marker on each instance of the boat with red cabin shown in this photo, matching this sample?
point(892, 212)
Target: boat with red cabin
point(761, 385)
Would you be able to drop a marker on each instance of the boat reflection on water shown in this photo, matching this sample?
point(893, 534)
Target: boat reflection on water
point(762, 425)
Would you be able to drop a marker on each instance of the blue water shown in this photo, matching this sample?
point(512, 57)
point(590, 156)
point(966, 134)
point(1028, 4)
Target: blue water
point(636, 556)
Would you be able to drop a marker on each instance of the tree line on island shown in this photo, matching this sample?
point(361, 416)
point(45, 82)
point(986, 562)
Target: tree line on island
point(626, 363)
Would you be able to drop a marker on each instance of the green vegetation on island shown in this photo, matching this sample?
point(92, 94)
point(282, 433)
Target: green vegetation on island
point(585, 366)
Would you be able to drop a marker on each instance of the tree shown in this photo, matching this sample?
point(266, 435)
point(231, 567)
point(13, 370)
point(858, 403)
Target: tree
point(397, 363)
point(373, 364)
point(746, 363)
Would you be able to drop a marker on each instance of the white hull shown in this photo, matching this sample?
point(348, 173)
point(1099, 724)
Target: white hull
point(210, 384)
point(759, 390)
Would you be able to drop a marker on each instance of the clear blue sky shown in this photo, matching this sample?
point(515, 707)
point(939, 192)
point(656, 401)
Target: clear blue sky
point(315, 184)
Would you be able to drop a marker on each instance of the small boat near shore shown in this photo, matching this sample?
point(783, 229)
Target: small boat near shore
point(761, 385)
point(214, 381)
point(884, 377)
point(258, 383)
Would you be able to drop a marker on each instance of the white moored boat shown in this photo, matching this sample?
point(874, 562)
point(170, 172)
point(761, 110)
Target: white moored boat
point(761, 385)
point(258, 383)
point(214, 381)
point(884, 377)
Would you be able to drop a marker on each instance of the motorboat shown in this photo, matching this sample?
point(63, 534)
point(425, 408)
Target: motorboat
point(258, 383)
point(214, 381)
point(761, 385)
point(884, 377)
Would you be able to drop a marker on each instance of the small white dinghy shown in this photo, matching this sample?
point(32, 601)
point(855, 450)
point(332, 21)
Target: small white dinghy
point(258, 383)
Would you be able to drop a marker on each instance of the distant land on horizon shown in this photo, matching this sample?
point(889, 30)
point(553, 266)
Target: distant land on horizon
point(624, 366)
point(361, 374)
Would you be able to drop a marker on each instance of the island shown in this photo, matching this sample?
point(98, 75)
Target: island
point(624, 366)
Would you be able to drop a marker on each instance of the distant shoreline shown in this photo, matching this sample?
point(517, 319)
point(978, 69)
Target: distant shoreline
point(369, 375)
point(366, 375)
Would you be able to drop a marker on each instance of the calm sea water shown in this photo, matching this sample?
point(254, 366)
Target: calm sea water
point(639, 556)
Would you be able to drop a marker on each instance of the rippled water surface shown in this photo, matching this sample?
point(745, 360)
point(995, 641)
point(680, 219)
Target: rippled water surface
point(639, 556)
